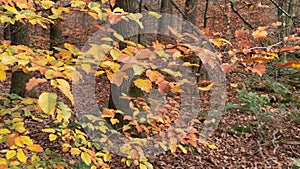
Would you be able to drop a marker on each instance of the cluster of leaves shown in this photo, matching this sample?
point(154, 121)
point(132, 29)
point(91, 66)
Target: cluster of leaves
point(61, 68)
point(244, 53)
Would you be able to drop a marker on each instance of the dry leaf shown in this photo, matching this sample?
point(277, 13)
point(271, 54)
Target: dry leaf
point(34, 82)
point(259, 69)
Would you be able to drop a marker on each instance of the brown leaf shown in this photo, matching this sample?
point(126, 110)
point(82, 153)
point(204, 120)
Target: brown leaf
point(226, 67)
point(164, 87)
point(259, 69)
point(241, 33)
point(114, 18)
point(34, 82)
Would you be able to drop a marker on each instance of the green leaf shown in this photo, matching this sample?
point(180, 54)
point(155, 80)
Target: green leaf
point(47, 102)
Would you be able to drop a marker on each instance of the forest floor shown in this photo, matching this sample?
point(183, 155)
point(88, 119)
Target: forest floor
point(269, 138)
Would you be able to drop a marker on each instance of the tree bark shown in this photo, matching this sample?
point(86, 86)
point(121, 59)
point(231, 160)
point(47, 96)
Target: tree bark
point(18, 35)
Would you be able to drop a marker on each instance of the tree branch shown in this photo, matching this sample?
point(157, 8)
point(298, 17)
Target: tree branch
point(280, 8)
point(205, 14)
point(240, 16)
point(177, 7)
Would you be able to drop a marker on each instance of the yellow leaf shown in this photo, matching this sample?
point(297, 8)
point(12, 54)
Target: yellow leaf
point(98, 73)
point(142, 166)
point(2, 75)
point(2, 161)
point(48, 130)
point(10, 9)
point(75, 151)
point(14, 163)
point(26, 140)
point(173, 148)
point(4, 131)
point(114, 121)
point(107, 157)
point(143, 84)
point(19, 127)
point(35, 148)
point(86, 158)
point(10, 154)
point(219, 42)
point(93, 167)
point(46, 4)
point(114, 53)
point(234, 85)
point(171, 72)
point(52, 137)
point(182, 148)
point(118, 36)
point(212, 146)
point(67, 92)
point(47, 102)
point(207, 88)
point(21, 156)
point(86, 67)
point(157, 15)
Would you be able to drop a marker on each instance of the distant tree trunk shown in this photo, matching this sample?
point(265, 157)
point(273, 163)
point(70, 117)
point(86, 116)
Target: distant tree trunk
point(191, 10)
point(125, 29)
point(55, 35)
point(165, 8)
point(18, 35)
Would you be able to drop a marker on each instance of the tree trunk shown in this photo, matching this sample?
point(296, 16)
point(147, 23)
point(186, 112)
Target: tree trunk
point(55, 35)
point(191, 10)
point(18, 35)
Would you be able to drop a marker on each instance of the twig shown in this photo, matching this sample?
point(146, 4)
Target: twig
point(276, 44)
point(282, 10)
point(205, 14)
point(240, 16)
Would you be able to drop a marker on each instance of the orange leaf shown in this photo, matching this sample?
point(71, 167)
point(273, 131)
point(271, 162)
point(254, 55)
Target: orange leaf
point(259, 69)
point(35, 148)
point(292, 64)
point(260, 33)
point(155, 76)
point(34, 82)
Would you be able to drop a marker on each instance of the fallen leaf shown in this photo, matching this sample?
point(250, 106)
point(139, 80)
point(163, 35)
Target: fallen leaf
point(259, 69)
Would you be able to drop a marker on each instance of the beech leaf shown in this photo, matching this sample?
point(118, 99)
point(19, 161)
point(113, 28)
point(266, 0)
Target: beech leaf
point(34, 82)
point(47, 102)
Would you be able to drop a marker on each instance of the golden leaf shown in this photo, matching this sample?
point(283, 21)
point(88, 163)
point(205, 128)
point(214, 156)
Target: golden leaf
point(35, 148)
point(86, 158)
point(143, 84)
point(21, 156)
point(10, 154)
